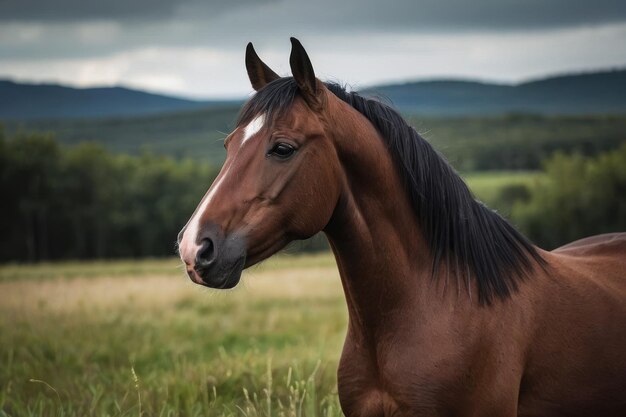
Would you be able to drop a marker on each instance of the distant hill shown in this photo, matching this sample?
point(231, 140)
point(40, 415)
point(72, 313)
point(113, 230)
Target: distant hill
point(568, 113)
point(19, 101)
point(591, 93)
point(197, 134)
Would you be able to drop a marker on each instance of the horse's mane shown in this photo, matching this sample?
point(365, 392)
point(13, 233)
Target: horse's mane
point(461, 231)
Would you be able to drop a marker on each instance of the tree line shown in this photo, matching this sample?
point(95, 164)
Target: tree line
point(85, 202)
point(519, 141)
point(580, 196)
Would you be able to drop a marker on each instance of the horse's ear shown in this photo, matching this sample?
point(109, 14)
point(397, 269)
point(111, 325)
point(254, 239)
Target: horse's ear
point(302, 71)
point(259, 73)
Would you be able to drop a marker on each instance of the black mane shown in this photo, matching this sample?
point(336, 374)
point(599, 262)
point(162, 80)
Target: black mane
point(460, 231)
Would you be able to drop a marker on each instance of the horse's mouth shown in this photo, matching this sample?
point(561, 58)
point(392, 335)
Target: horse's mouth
point(222, 279)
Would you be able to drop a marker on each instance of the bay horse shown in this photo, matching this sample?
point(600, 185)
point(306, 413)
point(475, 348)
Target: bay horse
point(452, 312)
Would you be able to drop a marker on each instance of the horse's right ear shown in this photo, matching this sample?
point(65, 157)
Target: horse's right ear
point(259, 73)
point(302, 71)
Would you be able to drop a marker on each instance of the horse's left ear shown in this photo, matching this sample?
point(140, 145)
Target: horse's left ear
point(302, 71)
point(258, 72)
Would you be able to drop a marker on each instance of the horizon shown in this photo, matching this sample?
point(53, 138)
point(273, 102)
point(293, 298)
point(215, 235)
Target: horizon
point(399, 82)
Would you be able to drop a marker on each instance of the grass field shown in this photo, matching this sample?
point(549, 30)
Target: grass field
point(139, 339)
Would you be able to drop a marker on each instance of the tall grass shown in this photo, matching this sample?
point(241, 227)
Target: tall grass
point(156, 345)
point(136, 338)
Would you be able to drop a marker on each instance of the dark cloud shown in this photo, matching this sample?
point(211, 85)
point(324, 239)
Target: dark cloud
point(487, 14)
point(197, 46)
point(339, 15)
point(85, 10)
point(41, 29)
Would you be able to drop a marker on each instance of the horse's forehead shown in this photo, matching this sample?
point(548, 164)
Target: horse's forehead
point(244, 132)
point(299, 117)
point(253, 127)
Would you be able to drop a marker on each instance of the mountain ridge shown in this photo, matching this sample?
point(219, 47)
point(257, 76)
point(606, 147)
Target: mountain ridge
point(28, 101)
point(581, 93)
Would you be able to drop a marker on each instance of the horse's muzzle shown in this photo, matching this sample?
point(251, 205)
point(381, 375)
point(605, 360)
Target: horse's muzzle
point(218, 260)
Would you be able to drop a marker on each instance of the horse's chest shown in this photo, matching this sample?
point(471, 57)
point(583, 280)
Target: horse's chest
point(371, 384)
point(362, 401)
point(361, 391)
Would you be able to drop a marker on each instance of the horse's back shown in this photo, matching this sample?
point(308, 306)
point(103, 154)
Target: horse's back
point(596, 265)
point(609, 244)
point(601, 259)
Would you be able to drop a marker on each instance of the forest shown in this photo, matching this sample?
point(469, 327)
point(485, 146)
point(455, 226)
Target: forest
point(84, 201)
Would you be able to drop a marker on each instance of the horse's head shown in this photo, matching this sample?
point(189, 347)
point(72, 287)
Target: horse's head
point(280, 180)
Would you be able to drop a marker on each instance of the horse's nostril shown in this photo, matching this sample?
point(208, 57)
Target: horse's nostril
point(206, 254)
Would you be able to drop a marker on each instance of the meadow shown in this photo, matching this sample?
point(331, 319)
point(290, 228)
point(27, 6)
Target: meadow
point(137, 338)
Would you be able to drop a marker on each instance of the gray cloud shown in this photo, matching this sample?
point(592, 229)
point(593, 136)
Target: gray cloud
point(79, 28)
point(167, 42)
point(124, 10)
point(347, 14)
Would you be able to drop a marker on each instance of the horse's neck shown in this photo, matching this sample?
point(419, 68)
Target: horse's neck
point(383, 261)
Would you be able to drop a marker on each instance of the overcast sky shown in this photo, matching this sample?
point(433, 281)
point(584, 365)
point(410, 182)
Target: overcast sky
point(196, 48)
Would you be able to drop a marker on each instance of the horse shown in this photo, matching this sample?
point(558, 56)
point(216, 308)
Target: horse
point(452, 311)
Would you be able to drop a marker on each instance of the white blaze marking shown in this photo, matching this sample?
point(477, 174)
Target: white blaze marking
point(253, 127)
point(188, 246)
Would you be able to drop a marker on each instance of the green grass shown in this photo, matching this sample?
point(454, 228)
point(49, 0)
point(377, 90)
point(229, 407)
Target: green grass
point(137, 338)
point(73, 269)
point(143, 267)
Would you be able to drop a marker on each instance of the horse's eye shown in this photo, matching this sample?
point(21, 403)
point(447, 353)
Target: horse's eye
point(282, 150)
